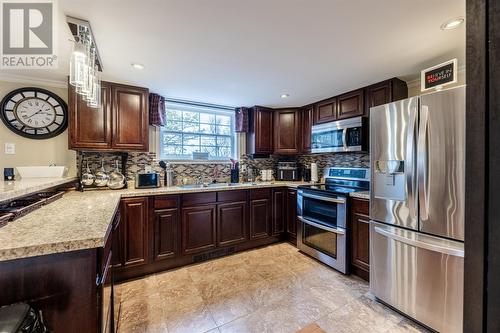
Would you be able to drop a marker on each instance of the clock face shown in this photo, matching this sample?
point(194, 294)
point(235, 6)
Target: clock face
point(34, 113)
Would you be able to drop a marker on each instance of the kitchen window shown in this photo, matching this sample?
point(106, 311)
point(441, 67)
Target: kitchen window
point(197, 128)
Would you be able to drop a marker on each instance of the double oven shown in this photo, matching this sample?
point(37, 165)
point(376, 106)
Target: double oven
point(322, 212)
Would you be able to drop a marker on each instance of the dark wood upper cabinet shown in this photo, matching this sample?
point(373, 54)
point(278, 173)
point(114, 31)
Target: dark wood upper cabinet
point(260, 218)
point(325, 111)
point(351, 104)
point(385, 92)
point(130, 118)
point(307, 122)
point(134, 231)
point(89, 127)
point(360, 242)
point(279, 211)
point(231, 223)
point(198, 229)
point(121, 123)
point(260, 134)
point(166, 224)
point(287, 131)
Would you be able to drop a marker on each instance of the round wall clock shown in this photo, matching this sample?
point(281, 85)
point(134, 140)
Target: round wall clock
point(34, 113)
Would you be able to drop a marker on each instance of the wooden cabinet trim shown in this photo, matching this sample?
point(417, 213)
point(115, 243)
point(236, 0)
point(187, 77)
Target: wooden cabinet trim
point(189, 245)
point(351, 104)
point(287, 131)
point(240, 224)
point(161, 237)
point(133, 236)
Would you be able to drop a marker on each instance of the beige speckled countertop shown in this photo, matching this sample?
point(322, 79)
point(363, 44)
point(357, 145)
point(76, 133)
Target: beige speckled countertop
point(361, 195)
point(19, 188)
point(80, 220)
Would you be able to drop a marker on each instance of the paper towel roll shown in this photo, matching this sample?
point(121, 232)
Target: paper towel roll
point(314, 173)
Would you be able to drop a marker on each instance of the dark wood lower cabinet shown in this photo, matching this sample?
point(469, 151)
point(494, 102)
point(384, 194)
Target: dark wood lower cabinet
point(291, 216)
point(134, 229)
point(260, 218)
point(231, 223)
point(198, 229)
point(279, 211)
point(360, 238)
point(166, 233)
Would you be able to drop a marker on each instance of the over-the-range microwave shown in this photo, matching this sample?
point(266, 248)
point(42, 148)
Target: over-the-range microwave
point(340, 136)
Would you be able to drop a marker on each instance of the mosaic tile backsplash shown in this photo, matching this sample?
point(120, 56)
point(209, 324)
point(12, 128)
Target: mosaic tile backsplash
point(188, 172)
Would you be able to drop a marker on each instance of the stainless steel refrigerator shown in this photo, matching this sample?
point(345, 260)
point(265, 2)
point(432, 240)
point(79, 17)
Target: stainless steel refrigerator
point(417, 153)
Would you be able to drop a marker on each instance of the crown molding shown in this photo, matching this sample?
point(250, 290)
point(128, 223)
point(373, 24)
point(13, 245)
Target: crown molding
point(7, 77)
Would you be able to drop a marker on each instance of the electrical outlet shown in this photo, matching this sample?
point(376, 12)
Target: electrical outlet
point(10, 148)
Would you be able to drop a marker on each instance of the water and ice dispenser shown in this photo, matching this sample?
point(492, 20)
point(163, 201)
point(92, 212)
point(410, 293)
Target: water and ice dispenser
point(390, 180)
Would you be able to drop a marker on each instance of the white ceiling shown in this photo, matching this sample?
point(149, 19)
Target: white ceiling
point(240, 52)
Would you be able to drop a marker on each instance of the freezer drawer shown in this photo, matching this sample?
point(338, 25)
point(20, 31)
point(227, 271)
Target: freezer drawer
point(420, 275)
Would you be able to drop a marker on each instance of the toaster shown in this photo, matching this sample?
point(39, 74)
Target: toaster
point(147, 180)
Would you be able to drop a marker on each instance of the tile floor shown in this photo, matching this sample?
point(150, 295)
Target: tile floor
point(271, 289)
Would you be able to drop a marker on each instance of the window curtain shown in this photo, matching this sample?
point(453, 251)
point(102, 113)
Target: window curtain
point(241, 120)
point(157, 111)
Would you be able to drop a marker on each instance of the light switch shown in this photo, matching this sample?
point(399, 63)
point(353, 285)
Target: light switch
point(10, 148)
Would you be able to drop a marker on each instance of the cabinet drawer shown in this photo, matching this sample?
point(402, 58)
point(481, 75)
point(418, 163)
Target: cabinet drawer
point(193, 199)
point(261, 193)
point(360, 206)
point(166, 201)
point(231, 196)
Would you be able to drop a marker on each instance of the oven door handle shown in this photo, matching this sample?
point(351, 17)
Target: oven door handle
point(322, 227)
point(318, 197)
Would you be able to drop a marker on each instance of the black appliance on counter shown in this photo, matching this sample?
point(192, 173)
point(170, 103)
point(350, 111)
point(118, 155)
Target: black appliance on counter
point(147, 180)
point(288, 171)
point(306, 173)
point(322, 212)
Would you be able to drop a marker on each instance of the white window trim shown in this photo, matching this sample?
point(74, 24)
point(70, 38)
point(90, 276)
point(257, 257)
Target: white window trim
point(155, 133)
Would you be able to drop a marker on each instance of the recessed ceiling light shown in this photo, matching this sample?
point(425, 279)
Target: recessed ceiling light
point(137, 65)
point(285, 95)
point(452, 24)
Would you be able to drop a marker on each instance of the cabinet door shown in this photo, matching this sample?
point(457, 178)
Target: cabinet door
point(351, 104)
point(279, 204)
point(134, 229)
point(260, 218)
point(260, 137)
point(263, 131)
point(198, 229)
point(286, 131)
point(378, 94)
point(307, 122)
point(361, 241)
point(89, 128)
point(231, 223)
point(325, 111)
point(166, 233)
point(130, 118)
point(291, 210)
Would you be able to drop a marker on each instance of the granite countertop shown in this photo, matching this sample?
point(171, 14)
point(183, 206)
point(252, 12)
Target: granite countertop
point(13, 189)
point(80, 220)
point(361, 195)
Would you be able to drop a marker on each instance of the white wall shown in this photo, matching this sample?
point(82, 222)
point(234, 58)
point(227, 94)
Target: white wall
point(35, 152)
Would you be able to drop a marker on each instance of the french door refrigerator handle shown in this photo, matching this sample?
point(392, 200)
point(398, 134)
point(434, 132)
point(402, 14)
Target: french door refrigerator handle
point(410, 164)
point(420, 244)
point(344, 139)
point(423, 163)
point(322, 227)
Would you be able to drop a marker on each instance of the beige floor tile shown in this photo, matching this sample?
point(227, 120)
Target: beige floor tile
point(360, 315)
point(192, 320)
point(270, 289)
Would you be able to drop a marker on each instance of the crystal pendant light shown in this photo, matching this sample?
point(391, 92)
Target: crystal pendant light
point(95, 102)
point(77, 63)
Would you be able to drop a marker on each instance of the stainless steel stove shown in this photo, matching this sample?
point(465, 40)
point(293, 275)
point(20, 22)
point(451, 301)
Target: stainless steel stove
point(322, 212)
